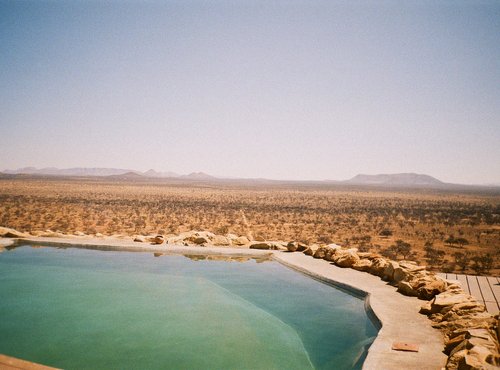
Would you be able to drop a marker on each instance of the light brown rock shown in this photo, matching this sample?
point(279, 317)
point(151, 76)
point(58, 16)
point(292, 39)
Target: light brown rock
point(405, 288)
point(379, 264)
point(346, 258)
point(445, 299)
point(220, 240)
point(241, 240)
point(309, 251)
point(158, 239)
point(388, 274)
point(292, 246)
point(320, 253)
point(431, 287)
point(6, 232)
point(198, 240)
point(363, 265)
point(261, 245)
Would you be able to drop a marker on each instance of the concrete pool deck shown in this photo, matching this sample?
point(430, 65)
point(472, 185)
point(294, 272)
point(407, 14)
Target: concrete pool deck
point(398, 314)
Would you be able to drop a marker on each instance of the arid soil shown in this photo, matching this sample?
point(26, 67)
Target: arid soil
point(446, 230)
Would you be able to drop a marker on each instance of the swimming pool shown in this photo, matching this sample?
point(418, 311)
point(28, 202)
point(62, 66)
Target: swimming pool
point(77, 308)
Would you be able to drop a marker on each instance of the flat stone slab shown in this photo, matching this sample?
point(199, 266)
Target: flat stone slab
point(398, 314)
point(403, 346)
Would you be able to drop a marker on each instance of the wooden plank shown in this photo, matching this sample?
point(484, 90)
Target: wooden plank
point(495, 288)
point(452, 277)
point(486, 289)
point(441, 274)
point(8, 363)
point(463, 282)
point(474, 288)
point(492, 307)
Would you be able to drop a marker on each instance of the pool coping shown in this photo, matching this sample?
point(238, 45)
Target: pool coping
point(396, 316)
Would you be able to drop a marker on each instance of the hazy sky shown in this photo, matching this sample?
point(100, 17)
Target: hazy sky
point(284, 90)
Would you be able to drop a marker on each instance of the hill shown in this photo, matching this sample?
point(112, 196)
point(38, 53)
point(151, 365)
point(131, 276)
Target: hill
point(131, 175)
point(153, 173)
point(77, 171)
point(398, 179)
point(198, 176)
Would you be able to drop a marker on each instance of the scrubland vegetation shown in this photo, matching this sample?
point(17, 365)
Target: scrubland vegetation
point(445, 230)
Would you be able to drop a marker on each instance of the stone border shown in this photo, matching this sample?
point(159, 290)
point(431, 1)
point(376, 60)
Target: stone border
point(130, 246)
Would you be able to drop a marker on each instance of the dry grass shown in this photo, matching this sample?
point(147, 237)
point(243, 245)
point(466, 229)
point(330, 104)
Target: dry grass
point(312, 214)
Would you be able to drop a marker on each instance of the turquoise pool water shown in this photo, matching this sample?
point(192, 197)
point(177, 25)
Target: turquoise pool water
point(85, 309)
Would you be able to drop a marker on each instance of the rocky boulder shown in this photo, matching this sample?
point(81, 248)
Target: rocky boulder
point(330, 253)
point(345, 258)
point(388, 274)
point(292, 246)
point(6, 232)
point(363, 265)
point(241, 240)
point(176, 240)
point(309, 251)
point(198, 240)
point(406, 288)
point(220, 240)
point(262, 245)
point(407, 271)
point(472, 349)
point(379, 264)
point(296, 247)
point(279, 246)
point(156, 240)
point(320, 252)
point(429, 288)
point(447, 300)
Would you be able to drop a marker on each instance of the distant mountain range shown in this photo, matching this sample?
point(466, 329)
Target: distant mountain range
point(68, 171)
point(380, 180)
point(398, 179)
point(116, 173)
point(80, 171)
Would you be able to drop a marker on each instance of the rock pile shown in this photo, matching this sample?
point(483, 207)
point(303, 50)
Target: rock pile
point(206, 238)
point(471, 333)
point(6, 232)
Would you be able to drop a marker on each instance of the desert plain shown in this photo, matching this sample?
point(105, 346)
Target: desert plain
point(451, 230)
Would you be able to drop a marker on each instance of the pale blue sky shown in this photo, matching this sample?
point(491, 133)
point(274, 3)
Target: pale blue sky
point(283, 90)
